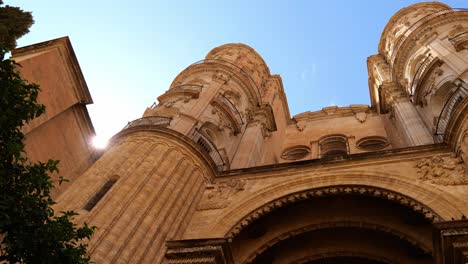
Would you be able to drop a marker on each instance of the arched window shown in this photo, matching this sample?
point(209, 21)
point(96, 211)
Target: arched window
point(333, 146)
point(295, 152)
point(372, 143)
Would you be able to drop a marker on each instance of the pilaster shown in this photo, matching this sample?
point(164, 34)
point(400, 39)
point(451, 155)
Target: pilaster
point(407, 119)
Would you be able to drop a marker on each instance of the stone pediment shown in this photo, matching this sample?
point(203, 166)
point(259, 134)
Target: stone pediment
point(359, 110)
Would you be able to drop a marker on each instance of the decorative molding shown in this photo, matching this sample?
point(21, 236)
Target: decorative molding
point(331, 191)
point(184, 92)
point(225, 119)
point(331, 112)
point(220, 77)
point(198, 251)
point(217, 196)
point(334, 224)
point(324, 256)
point(459, 37)
point(451, 242)
point(442, 170)
point(264, 116)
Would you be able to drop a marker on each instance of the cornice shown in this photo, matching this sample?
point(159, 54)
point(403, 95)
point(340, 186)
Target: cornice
point(331, 112)
point(66, 49)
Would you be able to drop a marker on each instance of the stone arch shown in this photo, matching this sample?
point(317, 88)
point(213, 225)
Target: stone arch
point(419, 196)
point(327, 255)
point(333, 224)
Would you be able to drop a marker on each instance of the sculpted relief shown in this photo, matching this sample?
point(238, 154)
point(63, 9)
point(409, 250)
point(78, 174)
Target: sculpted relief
point(217, 195)
point(443, 170)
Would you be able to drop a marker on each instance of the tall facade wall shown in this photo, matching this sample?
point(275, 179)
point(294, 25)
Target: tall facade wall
point(65, 131)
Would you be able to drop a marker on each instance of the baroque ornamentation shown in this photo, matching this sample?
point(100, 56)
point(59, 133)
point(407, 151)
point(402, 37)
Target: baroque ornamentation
point(330, 191)
point(443, 170)
point(217, 195)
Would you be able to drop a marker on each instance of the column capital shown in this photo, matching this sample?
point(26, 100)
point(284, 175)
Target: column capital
point(263, 116)
point(390, 93)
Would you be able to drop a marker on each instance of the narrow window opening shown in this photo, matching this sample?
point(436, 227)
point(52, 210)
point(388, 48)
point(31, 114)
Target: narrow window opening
point(98, 196)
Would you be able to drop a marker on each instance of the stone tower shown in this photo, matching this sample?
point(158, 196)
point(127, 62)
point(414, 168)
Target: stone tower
point(218, 171)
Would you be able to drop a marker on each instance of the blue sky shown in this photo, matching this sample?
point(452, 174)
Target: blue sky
point(130, 51)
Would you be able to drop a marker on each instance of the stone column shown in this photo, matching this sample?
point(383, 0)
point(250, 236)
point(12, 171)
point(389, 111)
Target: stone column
point(250, 150)
point(407, 119)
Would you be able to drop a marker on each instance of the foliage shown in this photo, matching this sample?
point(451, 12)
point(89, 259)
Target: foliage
point(14, 23)
point(29, 230)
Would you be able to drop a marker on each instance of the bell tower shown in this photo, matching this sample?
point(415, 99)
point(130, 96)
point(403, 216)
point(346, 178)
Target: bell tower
point(215, 116)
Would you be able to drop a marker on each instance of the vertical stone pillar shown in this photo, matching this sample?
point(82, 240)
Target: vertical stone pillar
point(160, 179)
point(250, 150)
point(407, 119)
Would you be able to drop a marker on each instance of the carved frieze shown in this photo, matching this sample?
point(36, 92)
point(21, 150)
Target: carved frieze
point(443, 170)
point(217, 196)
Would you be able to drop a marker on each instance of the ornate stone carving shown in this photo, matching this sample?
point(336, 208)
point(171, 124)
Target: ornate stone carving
point(361, 117)
point(442, 170)
point(335, 190)
point(459, 37)
point(264, 116)
point(217, 195)
point(220, 77)
point(196, 251)
point(223, 118)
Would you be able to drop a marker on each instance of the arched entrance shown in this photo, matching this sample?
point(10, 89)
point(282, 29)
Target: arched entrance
point(337, 228)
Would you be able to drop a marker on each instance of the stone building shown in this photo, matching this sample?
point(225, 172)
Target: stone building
point(219, 172)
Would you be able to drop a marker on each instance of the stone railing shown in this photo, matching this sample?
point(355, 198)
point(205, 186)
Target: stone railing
point(160, 121)
point(420, 73)
point(449, 107)
point(209, 148)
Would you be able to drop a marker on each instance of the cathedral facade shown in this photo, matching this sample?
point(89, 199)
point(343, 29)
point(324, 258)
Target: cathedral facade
point(219, 172)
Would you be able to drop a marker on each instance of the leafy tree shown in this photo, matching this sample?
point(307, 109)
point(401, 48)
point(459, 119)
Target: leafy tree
point(14, 23)
point(30, 232)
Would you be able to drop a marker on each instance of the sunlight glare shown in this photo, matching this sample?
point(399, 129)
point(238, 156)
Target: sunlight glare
point(100, 142)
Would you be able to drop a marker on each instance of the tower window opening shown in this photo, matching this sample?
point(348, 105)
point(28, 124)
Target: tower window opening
point(99, 195)
point(333, 146)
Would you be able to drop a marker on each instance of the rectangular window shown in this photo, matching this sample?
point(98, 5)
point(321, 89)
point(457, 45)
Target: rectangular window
point(98, 196)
